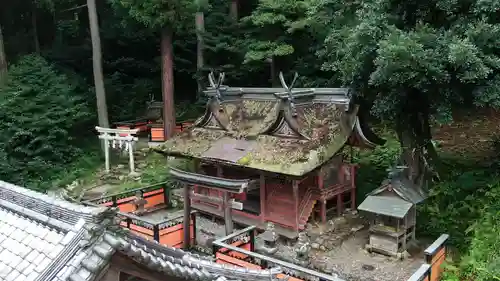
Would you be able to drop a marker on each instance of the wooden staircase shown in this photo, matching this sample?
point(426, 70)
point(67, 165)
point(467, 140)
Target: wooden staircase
point(281, 207)
point(306, 208)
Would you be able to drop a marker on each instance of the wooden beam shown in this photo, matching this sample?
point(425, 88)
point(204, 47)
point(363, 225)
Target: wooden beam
point(216, 200)
point(116, 131)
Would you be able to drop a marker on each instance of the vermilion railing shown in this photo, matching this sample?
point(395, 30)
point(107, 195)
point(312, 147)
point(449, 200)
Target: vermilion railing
point(169, 232)
point(234, 250)
point(435, 256)
point(157, 133)
point(156, 195)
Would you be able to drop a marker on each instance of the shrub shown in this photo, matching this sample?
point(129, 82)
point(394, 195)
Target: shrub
point(374, 165)
point(40, 113)
point(456, 202)
point(481, 261)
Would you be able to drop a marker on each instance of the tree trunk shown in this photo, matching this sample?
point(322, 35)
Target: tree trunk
point(167, 82)
point(3, 60)
point(102, 109)
point(34, 25)
point(233, 10)
point(414, 132)
point(200, 61)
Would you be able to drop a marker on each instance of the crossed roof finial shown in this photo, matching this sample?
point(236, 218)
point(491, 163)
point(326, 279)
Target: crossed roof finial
point(289, 94)
point(216, 86)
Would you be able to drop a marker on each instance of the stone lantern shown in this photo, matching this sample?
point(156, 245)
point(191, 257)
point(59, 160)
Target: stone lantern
point(270, 239)
point(302, 249)
point(139, 203)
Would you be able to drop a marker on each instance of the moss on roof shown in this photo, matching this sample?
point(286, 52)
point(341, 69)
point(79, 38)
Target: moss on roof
point(249, 118)
point(322, 130)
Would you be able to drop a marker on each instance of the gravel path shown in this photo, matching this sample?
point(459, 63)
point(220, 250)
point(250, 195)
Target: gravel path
point(355, 264)
point(349, 260)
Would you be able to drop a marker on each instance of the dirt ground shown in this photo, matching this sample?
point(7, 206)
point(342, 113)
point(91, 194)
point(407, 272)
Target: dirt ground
point(354, 263)
point(471, 133)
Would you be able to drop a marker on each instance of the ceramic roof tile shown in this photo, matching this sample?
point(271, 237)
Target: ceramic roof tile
point(27, 246)
point(39, 243)
point(39, 234)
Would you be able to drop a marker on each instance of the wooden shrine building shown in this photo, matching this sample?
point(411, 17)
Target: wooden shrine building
point(392, 213)
point(283, 145)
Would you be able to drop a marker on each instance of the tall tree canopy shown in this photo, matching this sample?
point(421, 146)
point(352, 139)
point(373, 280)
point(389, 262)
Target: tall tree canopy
point(168, 17)
point(413, 60)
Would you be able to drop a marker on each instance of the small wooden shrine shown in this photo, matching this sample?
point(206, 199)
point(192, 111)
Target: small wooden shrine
point(283, 145)
point(392, 212)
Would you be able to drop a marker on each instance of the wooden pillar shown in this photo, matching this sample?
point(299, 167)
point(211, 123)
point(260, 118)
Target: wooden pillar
point(226, 206)
point(295, 184)
point(339, 204)
point(187, 217)
point(263, 199)
point(405, 228)
point(321, 185)
point(219, 193)
point(414, 221)
point(323, 210)
point(228, 218)
point(353, 186)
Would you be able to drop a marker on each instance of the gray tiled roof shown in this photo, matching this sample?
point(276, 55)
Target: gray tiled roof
point(26, 247)
point(48, 239)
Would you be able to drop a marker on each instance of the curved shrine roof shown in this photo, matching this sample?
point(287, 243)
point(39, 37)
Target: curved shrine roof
point(260, 131)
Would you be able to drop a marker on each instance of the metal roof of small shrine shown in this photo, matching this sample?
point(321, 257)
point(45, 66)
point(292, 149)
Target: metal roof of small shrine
point(291, 131)
point(44, 238)
point(385, 205)
point(398, 183)
point(395, 196)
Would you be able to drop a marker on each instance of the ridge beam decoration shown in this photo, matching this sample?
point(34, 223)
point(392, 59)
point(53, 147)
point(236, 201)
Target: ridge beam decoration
point(217, 86)
point(290, 95)
point(121, 138)
point(229, 185)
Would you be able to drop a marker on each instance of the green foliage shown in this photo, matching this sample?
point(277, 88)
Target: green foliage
point(482, 259)
point(374, 165)
point(82, 168)
point(159, 14)
point(41, 112)
point(278, 18)
point(389, 50)
point(455, 203)
point(132, 106)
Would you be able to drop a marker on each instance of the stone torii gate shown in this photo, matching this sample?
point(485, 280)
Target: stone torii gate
point(121, 138)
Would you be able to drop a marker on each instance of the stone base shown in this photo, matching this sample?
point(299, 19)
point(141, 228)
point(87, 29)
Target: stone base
point(397, 255)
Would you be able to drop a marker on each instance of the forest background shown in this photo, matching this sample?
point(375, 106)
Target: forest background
point(417, 66)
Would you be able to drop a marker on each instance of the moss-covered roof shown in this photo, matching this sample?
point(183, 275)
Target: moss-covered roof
point(266, 134)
